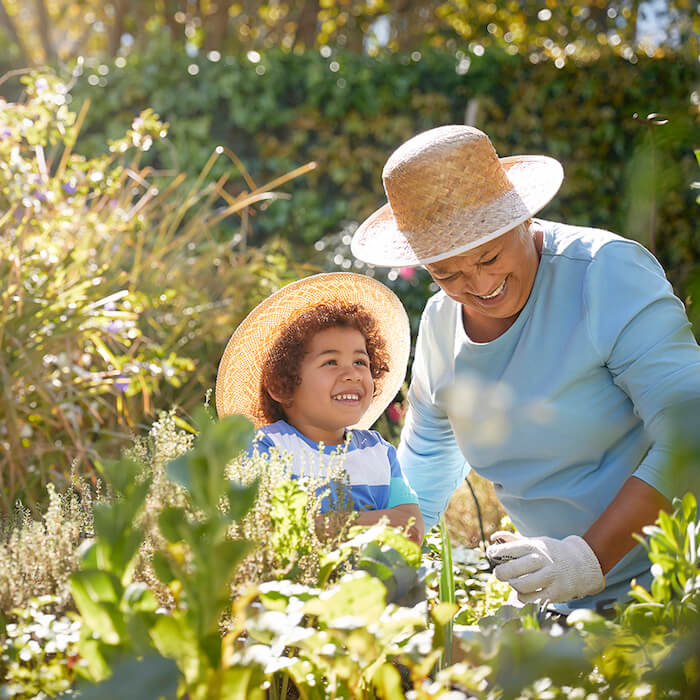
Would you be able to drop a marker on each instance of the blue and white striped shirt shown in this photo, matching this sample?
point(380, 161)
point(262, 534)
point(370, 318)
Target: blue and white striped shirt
point(375, 477)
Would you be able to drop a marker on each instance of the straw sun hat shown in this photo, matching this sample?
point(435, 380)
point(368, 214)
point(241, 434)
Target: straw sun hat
point(449, 192)
point(240, 370)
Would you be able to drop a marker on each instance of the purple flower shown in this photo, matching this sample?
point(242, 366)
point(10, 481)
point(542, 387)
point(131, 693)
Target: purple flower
point(69, 188)
point(121, 383)
point(5, 134)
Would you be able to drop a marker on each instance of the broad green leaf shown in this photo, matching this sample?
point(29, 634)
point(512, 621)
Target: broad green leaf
point(175, 639)
point(178, 470)
point(173, 524)
point(387, 682)
point(357, 596)
point(241, 499)
point(101, 586)
point(147, 678)
point(103, 617)
point(95, 668)
point(163, 567)
point(242, 683)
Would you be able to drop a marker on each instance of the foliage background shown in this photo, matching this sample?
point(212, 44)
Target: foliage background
point(342, 83)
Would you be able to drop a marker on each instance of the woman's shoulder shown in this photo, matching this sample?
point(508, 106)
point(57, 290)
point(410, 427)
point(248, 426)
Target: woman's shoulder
point(587, 244)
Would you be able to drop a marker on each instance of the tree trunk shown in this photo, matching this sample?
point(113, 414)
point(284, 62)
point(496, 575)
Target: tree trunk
point(216, 26)
point(45, 31)
point(117, 29)
point(306, 24)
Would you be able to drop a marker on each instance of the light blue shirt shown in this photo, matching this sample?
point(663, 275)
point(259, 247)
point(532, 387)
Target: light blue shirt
point(585, 381)
point(375, 477)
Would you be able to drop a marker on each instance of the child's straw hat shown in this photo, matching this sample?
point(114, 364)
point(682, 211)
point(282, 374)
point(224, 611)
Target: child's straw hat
point(240, 370)
point(449, 192)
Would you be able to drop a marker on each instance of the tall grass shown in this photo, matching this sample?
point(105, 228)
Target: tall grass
point(119, 287)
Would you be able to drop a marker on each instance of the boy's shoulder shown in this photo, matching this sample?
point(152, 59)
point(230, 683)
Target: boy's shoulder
point(279, 427)
point(367, 438)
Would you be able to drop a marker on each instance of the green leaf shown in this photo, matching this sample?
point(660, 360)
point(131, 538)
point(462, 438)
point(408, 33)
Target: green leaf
point(121, 474)
point(95, 599)
point(95, 668)
point(241, 498)
point(173, 524)
point(390, 567)
point(138, 597)
point(163, 567)
point(101, 586)
point(178, 470)
point(137, 679)
point(357, 595)
point(387, 682)
point(242, 683)
point(175, 639)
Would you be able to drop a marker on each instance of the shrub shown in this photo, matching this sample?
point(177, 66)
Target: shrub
point(348, 112)
point(119, 288)
point(38, 556)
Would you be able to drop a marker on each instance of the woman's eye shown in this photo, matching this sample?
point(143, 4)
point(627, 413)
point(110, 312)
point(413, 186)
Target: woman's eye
point(491, 261)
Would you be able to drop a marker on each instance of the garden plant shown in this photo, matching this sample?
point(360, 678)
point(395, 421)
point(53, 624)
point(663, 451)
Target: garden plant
point(153, 194)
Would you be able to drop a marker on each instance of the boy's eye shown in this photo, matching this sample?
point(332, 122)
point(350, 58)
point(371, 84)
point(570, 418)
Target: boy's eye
point(330, 362)
point(364, 363)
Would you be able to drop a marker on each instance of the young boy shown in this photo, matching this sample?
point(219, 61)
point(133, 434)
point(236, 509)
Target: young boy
point(321, 356)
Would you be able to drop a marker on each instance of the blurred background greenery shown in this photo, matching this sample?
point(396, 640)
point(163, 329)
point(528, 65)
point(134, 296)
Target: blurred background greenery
point(157, 177)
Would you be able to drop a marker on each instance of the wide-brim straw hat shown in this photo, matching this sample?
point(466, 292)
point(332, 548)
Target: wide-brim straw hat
point(449, 192)
point(240, 370)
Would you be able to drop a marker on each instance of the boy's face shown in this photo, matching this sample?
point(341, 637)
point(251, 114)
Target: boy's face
point(336, 385)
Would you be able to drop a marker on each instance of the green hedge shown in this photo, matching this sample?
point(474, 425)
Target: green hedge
point(348, 112)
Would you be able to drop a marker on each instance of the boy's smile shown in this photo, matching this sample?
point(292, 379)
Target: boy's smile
point(336, 386)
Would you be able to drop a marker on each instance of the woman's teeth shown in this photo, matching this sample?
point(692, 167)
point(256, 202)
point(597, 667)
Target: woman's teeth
point(501, 287)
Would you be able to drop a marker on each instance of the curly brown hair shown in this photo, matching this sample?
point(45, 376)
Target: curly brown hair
point(282, 366)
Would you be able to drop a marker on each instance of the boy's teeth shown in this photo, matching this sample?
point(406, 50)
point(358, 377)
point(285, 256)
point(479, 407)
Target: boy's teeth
point(496, 293)
point(340, 397)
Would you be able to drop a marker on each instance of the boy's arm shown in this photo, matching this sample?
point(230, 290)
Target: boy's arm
point(398, 516)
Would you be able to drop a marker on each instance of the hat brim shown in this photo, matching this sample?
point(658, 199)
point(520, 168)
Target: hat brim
point(379, 240)
point(240, 370)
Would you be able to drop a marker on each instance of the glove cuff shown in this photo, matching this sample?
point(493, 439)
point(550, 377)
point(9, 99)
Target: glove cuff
point(588, 563)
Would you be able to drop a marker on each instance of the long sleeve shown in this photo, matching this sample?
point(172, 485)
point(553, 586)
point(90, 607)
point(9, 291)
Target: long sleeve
point(428, 453)
point(644, 338)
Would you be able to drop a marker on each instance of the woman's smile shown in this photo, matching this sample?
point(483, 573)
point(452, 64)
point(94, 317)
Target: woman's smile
point(496, 296)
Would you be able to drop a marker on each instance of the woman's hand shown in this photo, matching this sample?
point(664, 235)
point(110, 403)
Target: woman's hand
point(544, 568)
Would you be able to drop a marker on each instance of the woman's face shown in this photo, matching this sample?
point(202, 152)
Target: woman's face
point(494, 280)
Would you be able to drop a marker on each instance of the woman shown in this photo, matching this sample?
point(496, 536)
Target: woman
point(576, 321)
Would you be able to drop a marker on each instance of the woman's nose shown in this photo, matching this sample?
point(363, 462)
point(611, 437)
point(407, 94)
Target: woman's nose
point(482, 282)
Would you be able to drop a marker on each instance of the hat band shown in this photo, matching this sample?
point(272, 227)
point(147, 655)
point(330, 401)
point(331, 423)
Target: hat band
point(467, 229)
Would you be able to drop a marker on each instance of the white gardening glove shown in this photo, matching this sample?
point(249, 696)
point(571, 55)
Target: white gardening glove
point(543, 568)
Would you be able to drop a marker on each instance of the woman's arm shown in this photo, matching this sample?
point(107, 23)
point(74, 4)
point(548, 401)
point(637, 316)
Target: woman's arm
point(636, 505)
